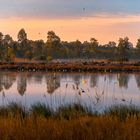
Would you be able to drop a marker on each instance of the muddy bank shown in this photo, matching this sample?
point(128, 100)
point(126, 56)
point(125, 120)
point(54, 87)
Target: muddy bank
point(73, 67)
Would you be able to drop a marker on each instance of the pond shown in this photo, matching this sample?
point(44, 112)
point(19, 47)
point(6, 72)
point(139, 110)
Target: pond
point(94, 90)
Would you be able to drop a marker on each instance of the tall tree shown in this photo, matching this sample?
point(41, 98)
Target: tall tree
point(138, 45)
point(53, 38)
point(94, 42)
point(123, 47)
point(38, 49)
point(1, 37)
point(7, 40)
point(1, 46)
point(53, 45)
point(23, 43)
point(111, 44)
point(78, 48)
point(92, 49)
point(22, 36)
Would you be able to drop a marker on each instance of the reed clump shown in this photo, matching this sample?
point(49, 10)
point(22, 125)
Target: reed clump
point(123, 112)
point(73, 111)
point(40, 109)
point(13, 110)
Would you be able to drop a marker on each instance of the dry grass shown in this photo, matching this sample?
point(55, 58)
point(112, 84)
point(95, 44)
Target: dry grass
point(37, 125)
point(84, 128)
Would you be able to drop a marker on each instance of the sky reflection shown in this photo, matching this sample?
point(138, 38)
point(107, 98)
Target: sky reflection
point(56, 89)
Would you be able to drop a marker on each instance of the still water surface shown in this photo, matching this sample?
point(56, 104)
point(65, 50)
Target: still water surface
point(94, 90)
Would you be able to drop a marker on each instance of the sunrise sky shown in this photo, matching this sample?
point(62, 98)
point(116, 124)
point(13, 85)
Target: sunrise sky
point(105, 20)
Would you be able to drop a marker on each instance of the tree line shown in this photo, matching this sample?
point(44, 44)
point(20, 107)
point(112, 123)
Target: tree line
point(54, 48)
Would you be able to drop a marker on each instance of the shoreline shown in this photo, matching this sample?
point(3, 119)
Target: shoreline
point(72, 67)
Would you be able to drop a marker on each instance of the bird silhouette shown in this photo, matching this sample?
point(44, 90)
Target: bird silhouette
point(84, 9)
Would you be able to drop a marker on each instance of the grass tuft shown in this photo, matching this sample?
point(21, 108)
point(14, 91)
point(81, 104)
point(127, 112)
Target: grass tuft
point(123, 111)
point(40, 109)
point(72, 111)
point(13, 110)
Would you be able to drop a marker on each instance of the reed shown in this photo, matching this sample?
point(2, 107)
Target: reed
point(71, 122)
point(69, 111)
point(73, 111)
point(13, 109)
point(123, 111)
point(40, 109)
point(82, 128)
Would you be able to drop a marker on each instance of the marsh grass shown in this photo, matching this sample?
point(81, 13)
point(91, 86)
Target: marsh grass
point(67, 112)
point(72, 111)
point(83, 128)
point(71, 122)
point(123, 111)
point(13, 110)
point(40, 109)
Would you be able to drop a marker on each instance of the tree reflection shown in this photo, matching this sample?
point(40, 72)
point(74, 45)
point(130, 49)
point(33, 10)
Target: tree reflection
point(21, 85)
point(76, 78)
point(94, 80)
point(6, 81)
point(111, 77)
point(53, 83)
point(1, 83)
point(1, 86)
point(137, 77)
point(123, 80)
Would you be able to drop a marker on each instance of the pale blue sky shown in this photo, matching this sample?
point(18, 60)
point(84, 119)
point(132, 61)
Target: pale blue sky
point(67, 8)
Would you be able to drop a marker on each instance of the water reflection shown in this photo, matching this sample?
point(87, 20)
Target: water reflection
point(123, 80)
point(6, 81)
point(111, 77)
point(93, 89)
point(76, 79)
point(94, 80)
point(137, 77)
point(53, 83)
point(21, 84)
